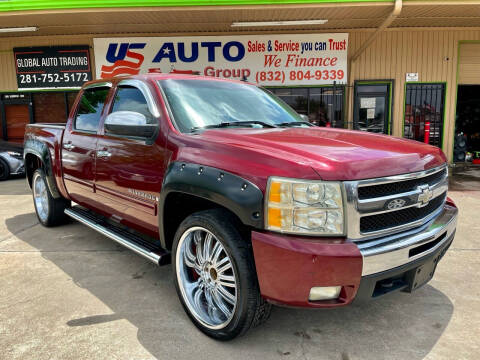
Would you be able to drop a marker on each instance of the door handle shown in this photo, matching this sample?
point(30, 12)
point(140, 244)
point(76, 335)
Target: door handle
point(68, 146)
point(103, 154)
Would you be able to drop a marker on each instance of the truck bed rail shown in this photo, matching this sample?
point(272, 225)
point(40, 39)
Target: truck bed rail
point(49, 125)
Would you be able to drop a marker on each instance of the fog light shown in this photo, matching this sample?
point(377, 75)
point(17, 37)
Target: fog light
point(324, 293)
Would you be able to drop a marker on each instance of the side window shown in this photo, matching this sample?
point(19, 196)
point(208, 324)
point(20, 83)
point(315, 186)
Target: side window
point(129, 98)
point(90, 109)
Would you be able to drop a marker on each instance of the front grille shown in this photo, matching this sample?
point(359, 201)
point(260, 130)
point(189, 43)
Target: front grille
point(401, 217)
point(374, 191)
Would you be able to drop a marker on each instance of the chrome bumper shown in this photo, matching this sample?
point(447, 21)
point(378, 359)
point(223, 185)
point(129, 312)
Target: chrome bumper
point(393, 251)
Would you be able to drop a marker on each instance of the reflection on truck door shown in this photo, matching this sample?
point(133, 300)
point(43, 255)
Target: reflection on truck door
point(129, 170)
point(79, 145)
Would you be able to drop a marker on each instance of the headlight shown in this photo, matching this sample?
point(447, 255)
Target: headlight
point(15, 154)
point(304, 207)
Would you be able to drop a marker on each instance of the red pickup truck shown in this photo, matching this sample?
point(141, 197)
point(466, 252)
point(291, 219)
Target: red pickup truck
point(250, 204)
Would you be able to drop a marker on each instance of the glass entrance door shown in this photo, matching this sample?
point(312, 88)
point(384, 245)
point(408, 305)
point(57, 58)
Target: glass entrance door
point(372, 108)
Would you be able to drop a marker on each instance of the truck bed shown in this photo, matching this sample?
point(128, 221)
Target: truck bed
point(45, 141)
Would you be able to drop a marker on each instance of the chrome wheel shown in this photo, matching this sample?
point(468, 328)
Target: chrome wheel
point(40, 197)
point(206, 278)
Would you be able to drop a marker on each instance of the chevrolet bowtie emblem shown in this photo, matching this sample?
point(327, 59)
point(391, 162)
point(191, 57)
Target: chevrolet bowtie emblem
point(425, 195)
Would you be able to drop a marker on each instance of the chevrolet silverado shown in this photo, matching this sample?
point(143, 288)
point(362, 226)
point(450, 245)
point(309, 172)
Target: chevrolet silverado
point(250, 204)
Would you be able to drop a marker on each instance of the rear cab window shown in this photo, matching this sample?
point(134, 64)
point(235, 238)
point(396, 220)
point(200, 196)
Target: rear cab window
point(90, 109)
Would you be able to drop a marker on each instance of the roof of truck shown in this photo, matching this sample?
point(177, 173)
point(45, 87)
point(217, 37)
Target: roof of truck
point(164, 76)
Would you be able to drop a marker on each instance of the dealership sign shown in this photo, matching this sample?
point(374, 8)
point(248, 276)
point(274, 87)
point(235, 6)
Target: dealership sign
point(300, 59)
point(52, 67)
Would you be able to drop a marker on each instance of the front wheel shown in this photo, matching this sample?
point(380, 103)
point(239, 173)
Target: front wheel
point(50, 211)
point(215, 276)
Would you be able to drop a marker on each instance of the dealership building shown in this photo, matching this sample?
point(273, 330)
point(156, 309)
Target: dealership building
point(394, 67)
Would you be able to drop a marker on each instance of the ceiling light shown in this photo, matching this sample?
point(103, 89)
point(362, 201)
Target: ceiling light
point(18, 29)
point(279, 23)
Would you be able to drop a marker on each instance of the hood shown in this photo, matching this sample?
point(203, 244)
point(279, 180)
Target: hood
point(334, 154)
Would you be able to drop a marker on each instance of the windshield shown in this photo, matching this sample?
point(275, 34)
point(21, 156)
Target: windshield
point(197, 104)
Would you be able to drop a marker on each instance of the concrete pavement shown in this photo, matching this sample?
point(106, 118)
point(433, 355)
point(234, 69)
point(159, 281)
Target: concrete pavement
point(70, 293)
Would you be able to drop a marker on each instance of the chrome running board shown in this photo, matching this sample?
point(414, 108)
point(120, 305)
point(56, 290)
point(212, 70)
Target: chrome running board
point(123, 237)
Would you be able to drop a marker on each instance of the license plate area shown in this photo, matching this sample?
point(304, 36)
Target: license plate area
point(419, 276)
point(422, 274)
point(412, 279)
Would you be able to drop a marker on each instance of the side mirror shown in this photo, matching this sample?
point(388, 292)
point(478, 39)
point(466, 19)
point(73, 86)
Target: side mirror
point(129, 123)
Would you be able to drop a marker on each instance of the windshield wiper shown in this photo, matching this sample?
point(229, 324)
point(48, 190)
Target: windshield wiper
point(233, 123)
point(295, 123)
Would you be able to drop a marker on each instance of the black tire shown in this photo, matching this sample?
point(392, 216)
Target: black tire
point(4, 170)
point(251, 309)
point(54, 214)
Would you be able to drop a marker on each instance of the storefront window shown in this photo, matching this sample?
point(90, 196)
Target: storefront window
point(297, 98)
point(322, 105)
point(424, 103)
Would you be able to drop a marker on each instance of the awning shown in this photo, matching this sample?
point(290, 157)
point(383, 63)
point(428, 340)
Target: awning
point(341, 15)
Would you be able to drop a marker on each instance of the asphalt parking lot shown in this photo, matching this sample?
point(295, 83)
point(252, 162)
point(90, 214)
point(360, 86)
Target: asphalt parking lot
point(70, 293)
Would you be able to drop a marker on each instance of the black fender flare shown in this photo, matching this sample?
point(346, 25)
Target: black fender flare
point(240, 196)
point(40, 150)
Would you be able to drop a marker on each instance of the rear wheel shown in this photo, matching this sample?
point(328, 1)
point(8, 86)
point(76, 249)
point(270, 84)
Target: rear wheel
point(4, 170)
point(215, 276)
point(50, 211)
